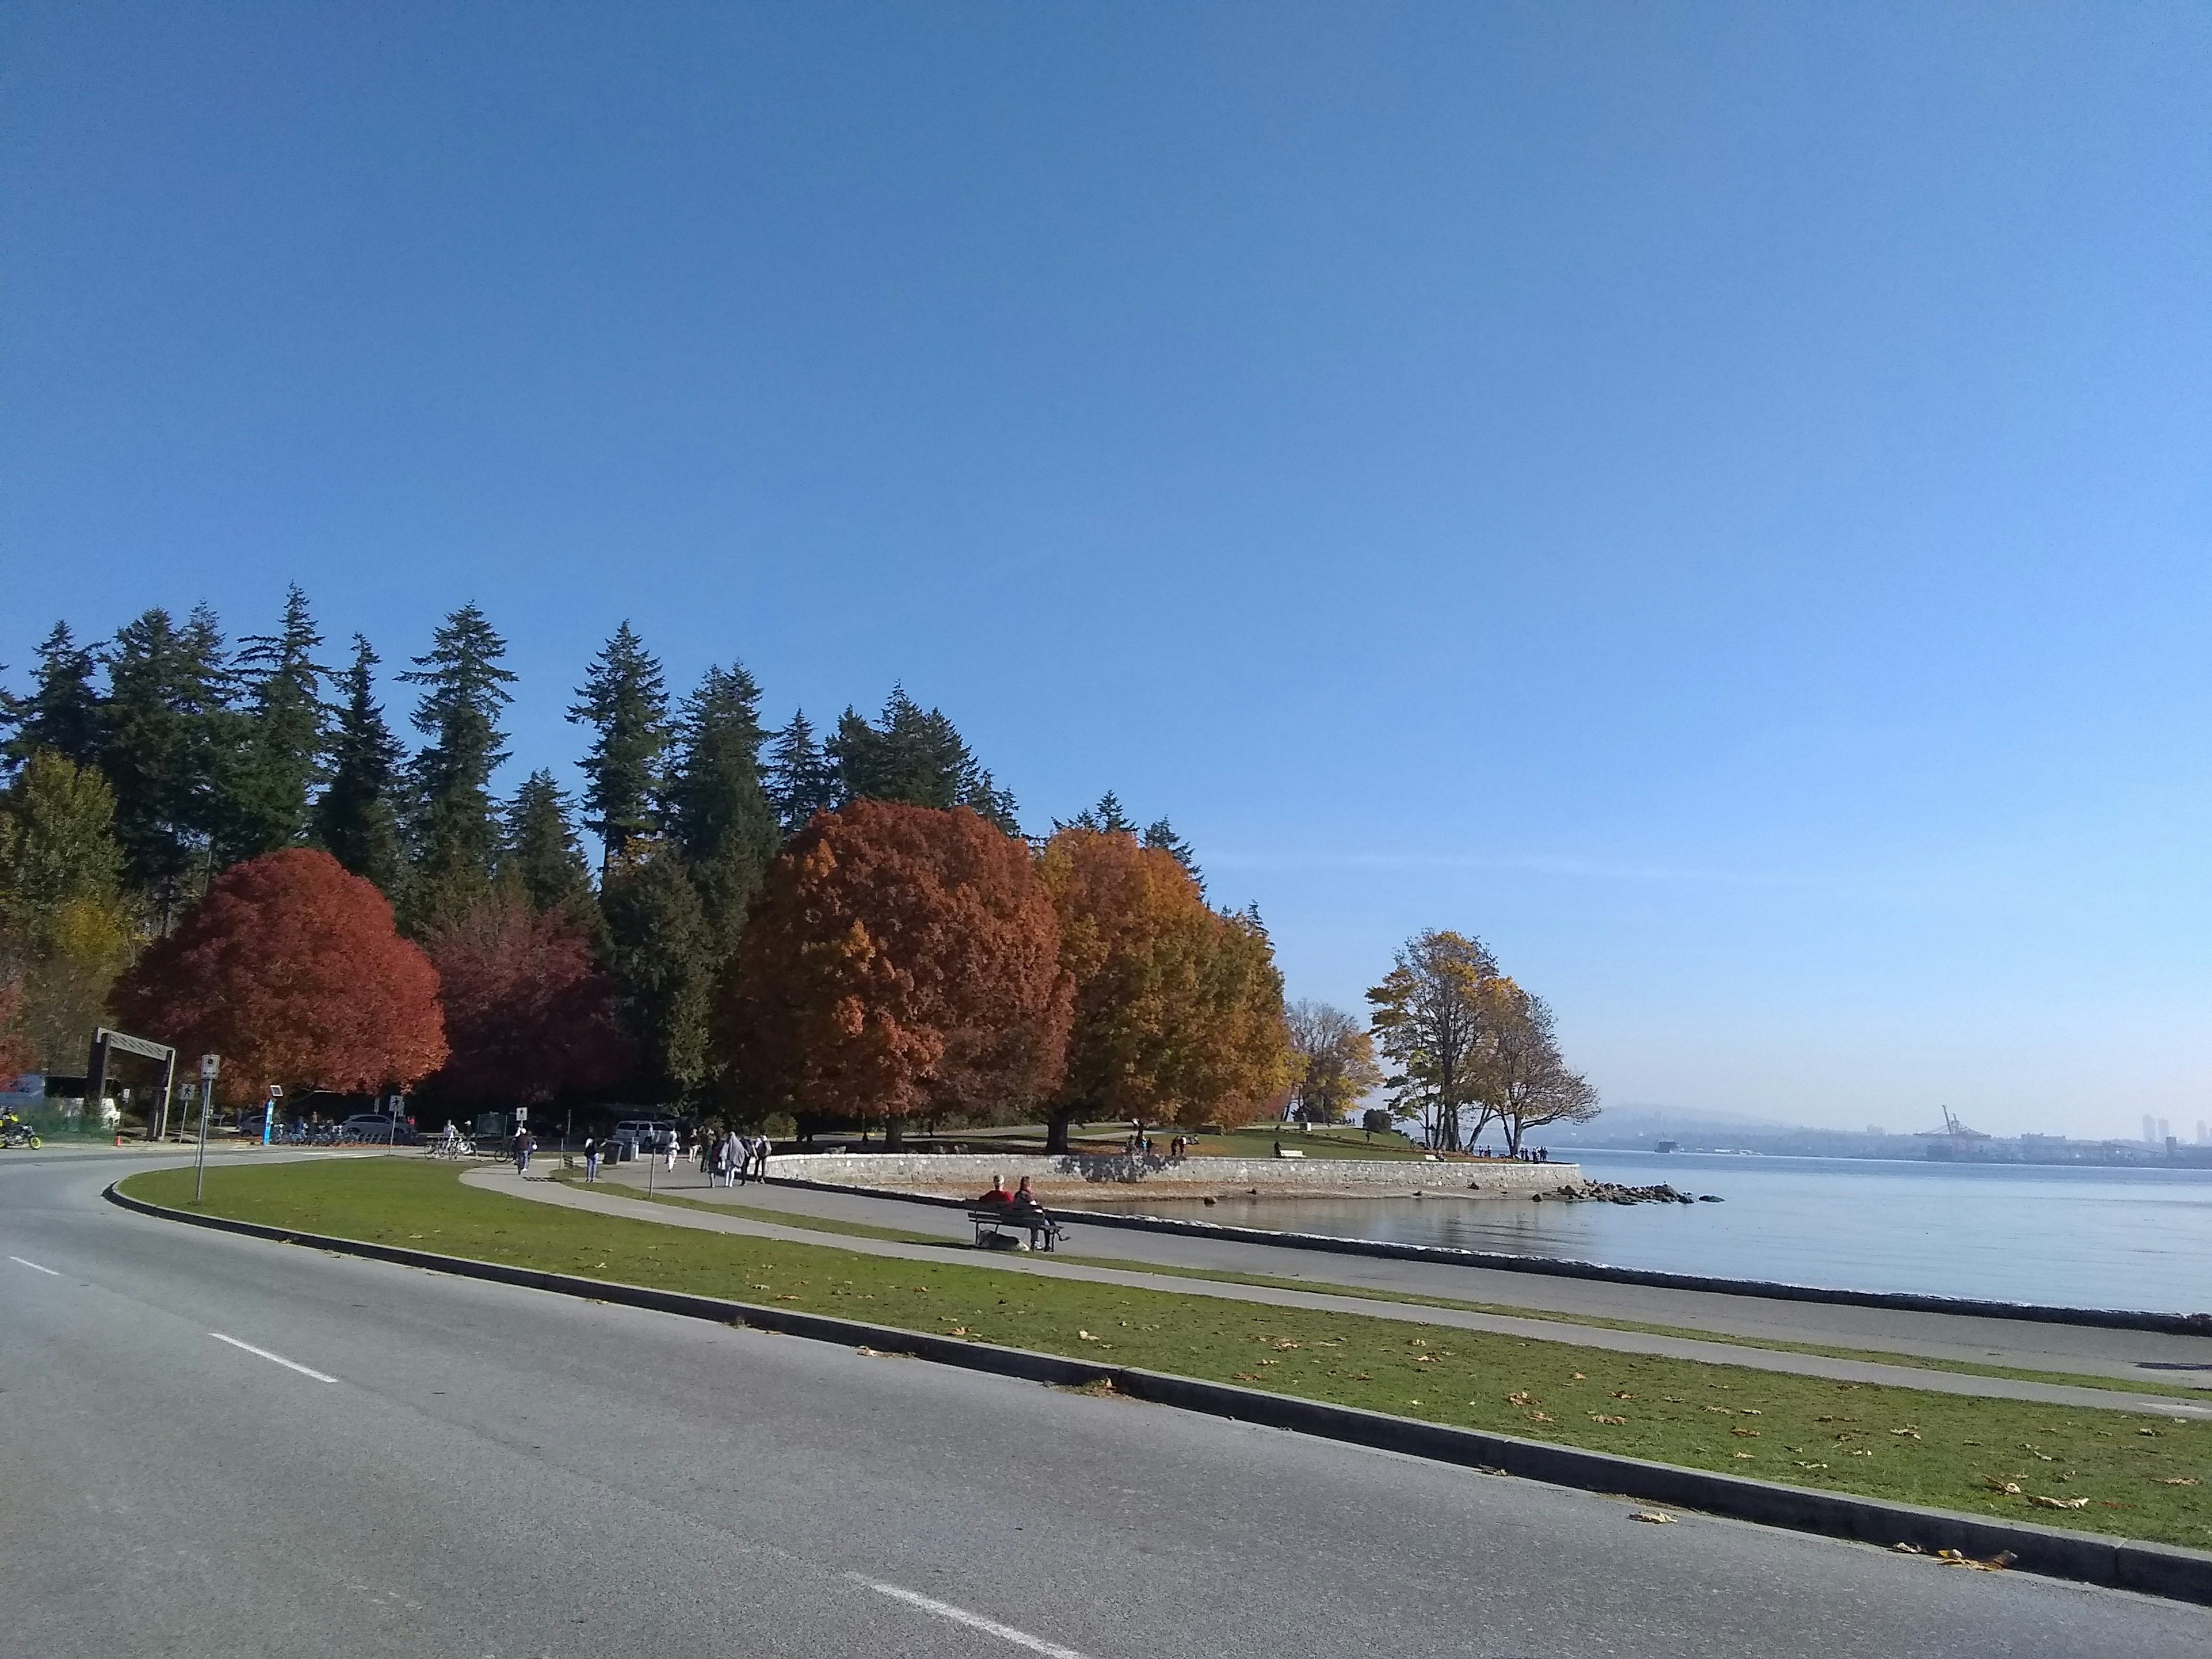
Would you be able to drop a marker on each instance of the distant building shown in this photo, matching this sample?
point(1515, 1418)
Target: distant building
point(2150, 1131)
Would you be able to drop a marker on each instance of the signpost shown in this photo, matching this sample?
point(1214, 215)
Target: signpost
point(210, 1065)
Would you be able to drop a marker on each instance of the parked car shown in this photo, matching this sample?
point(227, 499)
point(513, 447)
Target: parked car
point(643, 1131)
point(374, 1126)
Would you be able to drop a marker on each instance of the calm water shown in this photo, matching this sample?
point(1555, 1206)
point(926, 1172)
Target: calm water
point(2110, 1238)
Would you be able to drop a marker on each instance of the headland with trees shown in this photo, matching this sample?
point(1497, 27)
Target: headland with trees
point(230, 849)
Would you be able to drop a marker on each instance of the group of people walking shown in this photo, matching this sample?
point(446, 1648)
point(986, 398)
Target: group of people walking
point(727, 1159)
point(734, 1160)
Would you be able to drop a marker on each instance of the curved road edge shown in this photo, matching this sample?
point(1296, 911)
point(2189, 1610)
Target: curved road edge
point(2147, 1569)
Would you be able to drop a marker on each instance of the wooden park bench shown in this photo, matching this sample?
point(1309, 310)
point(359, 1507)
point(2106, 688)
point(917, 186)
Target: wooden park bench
point(989, 1218)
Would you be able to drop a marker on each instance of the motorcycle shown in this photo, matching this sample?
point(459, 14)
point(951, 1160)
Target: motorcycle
point(16, 1133)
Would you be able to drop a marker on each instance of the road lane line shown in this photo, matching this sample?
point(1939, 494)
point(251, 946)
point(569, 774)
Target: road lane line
point(35, 1267)
point(289, 1364)
point(1020, 1638)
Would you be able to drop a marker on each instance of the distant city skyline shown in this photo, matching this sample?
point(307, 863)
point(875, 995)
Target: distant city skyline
point(1711, 500)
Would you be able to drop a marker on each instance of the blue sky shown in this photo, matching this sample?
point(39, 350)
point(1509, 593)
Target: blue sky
point(1713, 500)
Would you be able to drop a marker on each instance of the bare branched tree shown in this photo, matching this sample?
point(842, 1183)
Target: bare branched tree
point(1523, 1082)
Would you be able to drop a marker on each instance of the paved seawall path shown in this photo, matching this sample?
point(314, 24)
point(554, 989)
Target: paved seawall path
point(1094, 1176)
point(1872, 1329)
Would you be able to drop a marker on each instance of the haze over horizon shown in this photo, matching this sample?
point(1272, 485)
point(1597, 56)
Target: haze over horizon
point(1713, 500)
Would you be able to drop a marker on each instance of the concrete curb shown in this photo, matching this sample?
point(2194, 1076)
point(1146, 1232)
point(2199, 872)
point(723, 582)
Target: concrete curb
point(2123, 1319)
point(2158, 1569)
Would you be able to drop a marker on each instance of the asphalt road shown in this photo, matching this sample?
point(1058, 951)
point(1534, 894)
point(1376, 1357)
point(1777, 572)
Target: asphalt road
point(464, 1469)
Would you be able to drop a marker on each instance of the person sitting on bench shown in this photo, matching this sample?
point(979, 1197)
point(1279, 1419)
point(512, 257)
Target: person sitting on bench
point(998, 1196)
point(1024, 1203)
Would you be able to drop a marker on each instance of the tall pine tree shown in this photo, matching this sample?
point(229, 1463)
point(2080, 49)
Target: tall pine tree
point(716, 806)
point(914, 755)
point(542, 858)
point(801, 781)
point(269, 779)
point(663, 963)
point(1107, 817)
point(165, 723)
point(625, 700)
point(456, 831)
point(357, 818)
point(61, 713)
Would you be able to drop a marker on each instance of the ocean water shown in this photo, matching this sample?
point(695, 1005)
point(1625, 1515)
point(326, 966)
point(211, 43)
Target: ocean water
point(2104, 1238)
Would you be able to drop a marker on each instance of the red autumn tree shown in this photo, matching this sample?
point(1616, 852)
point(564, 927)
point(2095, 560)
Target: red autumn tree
point(898, 961)
point(527, 1014)
point(290, 969)
point(1178, 1007)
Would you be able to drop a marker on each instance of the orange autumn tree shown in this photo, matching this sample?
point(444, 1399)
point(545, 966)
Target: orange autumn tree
point(291, 969)
point(1178, 1007)
point(898, 962)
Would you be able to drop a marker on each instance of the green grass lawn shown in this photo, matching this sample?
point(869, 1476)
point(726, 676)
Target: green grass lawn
point(2139, 1477)
point(812, 1223)
point(1339, 1141)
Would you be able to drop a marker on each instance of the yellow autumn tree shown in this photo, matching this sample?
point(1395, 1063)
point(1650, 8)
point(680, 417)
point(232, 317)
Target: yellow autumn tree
point(1178, 1007)
point(66, 934)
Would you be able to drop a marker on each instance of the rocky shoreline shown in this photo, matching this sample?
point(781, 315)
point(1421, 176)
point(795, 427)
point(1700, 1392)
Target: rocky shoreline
point(1612, 1192)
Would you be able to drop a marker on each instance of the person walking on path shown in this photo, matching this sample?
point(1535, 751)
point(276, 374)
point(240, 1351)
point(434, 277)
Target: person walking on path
point(761, 1146)
point(591, 1159)
point(730, 1159)
point(671, 1135)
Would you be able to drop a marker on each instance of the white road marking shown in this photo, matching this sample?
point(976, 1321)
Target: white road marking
point(1020, 1638)
point(289, 1364)
point(35, 1267)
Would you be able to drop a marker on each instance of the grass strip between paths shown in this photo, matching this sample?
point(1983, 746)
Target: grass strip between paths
point(799, 1221)
point(2097, 1470)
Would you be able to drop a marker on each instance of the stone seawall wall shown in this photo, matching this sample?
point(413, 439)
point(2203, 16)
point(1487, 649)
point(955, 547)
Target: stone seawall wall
point(971, 1173)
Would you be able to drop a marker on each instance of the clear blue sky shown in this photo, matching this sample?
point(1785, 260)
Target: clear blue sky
point(1714, 500)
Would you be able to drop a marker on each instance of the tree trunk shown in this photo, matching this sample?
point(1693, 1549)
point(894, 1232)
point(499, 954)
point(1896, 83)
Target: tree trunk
point(1056, 1130)
point(894, 1134)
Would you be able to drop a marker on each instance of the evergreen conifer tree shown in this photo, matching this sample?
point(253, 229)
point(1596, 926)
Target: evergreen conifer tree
point(542, 858)
point(456, 832)
point(801, 782)
point(625, 700)
point(914, 755)
point(717, 806)
point(664, 964)
point(1107, 817)
point(357, 818)
point(61, 713)
point(267, 782)
point(163, 725)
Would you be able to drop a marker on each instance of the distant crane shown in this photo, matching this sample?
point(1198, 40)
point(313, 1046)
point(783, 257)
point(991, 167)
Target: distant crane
point(1952, 1137)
